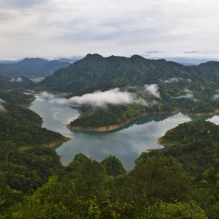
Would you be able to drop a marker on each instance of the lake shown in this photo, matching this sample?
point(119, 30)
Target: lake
point(126, 143)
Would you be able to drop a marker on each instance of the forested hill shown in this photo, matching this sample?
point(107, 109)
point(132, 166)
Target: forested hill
point(23, 127)
point(15, 97)
point(195, 145)
point(32, 68)
point(188, 132)
point(20, 82)
point(96, 72)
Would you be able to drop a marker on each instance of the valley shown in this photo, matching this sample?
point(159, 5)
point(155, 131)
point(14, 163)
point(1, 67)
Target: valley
point(101, 140)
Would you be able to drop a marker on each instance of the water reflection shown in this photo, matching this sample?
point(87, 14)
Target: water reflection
point(127, 143)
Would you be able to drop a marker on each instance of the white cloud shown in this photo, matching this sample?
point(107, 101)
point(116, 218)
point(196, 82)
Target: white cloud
point(2, 108)
point(152, 89)
point(114, 96)
point(55, 27)
point(171, 80)
point(19, 79)
point(216, 96)
point(188, 94)
point(189, 80)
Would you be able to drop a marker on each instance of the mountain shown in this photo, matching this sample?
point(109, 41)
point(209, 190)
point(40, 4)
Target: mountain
point(71, 60)
point(95, 72)
point(11, 83)
point(31, 68)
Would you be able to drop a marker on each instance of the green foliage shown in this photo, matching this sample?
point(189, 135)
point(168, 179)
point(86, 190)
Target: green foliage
point(26, 170)
point(95, 72)
point(159, 178)
point(87, 175)
point(111, 115)
point(61, 198)
point(193, 131)
point(22, 127)
point(7, 83)
point(113, 166)
point(182, 210)
point(15, 97)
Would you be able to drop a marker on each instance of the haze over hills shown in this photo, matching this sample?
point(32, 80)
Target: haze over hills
point(32, 67)
point(14, 83)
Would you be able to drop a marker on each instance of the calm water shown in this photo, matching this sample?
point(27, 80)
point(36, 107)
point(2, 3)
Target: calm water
point(126, 143)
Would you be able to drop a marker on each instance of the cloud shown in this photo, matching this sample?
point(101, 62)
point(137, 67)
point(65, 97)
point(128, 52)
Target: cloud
point(53, 28)
point(188, 94)
point(171, 80)
point(189, 80)
point(98, 98)
point(195, 52)
point(2, 108)
point(20, 3)
point(44, 95)
point(192, 52)
point(216, 96)
point(152, 89)
point(18, 80)
point(153, 52)
point(184, 96)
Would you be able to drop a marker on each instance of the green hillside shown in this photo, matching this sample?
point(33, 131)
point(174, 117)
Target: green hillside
point(19, 82)
point(195, 145)
point(176, 182)
point(15, 97)
point(95, 72)
point(191, 88)
point(23, 127)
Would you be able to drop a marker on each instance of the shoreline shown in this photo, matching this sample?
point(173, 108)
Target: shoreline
point(203, 113)
point(117, 126)
point(50, 92)
point(52, 144)
point(27, 104)
point(105, 128)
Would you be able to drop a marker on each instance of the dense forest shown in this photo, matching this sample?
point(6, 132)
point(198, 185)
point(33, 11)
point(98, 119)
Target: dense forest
point(19, 82)
point(108, 116)
point(95, 72)
point(15, 97)
point(180, 181)
point(23, 127)
point(25, 161)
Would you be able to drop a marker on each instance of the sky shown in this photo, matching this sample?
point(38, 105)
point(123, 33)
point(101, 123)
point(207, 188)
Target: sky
point(66, 28)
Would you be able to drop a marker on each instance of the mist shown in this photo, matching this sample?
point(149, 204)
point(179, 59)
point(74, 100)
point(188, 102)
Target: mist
point(99, 98)
point(188, 94)
point(171, 80)
point(44, 95)
point(152, 89)
point(2, 108)
point(18, 80)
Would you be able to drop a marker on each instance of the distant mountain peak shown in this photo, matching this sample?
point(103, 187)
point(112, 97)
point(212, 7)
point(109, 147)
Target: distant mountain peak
point(95, 55)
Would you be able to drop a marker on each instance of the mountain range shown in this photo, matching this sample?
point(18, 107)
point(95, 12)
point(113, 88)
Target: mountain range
point(95, 72)
point(33, 67)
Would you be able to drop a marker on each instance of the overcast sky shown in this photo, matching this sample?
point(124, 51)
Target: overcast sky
point(55, 28)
